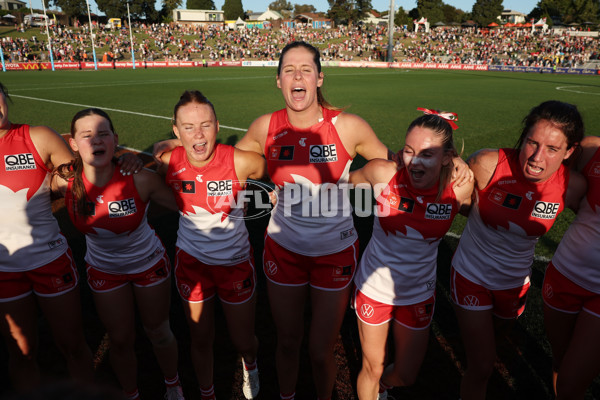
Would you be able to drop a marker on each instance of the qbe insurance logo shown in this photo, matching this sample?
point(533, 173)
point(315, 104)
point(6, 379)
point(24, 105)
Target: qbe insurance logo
point(252, 202)
point(19, 162)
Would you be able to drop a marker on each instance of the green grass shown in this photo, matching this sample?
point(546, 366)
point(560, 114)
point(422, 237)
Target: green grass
point(490, 108)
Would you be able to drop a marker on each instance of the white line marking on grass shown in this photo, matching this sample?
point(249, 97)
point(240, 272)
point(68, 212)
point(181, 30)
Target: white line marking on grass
point(114, 109)
point(85, 85)
point(569, 89)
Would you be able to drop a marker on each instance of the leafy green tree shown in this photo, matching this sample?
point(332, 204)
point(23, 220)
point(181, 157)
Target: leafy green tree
point(72, 8)
point(586, 10)
point(402, 18)
point(451, 14)
point(201, 5)
point(281, 6)
point(232, 9)
point(431, 9)
point(486, 11)
point(137, 8)
point(555, 10)
point(348, 11)
point(166, 12)
point(304, 8)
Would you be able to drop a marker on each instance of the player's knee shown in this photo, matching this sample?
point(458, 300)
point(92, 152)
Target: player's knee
point(373, 369)
point(160, 335)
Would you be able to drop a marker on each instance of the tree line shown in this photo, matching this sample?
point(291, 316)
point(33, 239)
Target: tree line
point(346, 12)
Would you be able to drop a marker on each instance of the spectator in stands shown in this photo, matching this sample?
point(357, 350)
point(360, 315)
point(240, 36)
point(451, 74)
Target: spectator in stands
point(571, 288)
point(126, 262)
point(519, 193)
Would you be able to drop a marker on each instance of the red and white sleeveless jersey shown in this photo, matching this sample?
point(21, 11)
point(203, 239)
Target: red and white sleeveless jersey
point(310, 168)
point(211, 225)
point(118, 236)
point(399, 264)
point(497, 245)
point(29, 234)
point(578, 254)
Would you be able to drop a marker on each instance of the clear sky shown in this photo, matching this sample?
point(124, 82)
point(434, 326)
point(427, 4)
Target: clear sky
point(524, 6)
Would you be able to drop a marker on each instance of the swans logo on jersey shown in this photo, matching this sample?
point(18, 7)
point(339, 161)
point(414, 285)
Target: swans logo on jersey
point(323, 153)
point(438, 211)
point(545, 210)
point(219, 188)
point(401, 203)
point(282, 153)
point(529, 195)
point(505, 199)
point(19, 162)
point(595, 170)
point(184, 186)
point(121, 208)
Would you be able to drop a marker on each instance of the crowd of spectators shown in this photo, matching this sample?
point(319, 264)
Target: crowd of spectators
point(172, 42)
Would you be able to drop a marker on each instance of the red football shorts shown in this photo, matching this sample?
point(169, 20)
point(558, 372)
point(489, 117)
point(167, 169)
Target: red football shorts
point(100, 281)
point(506, 304)
point(562, 294)
point(329, 272)
point(197, 281)
point(413, 316)
point(52, 279)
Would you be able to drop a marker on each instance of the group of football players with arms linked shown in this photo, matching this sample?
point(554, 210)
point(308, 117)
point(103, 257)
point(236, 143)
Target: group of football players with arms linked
point(511, 198)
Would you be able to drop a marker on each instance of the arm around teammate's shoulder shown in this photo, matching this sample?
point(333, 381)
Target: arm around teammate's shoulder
point(483, 164)
point(589, 145)
point(256, 136)
point(576, 190)
point(359, 138)
point(51, 147)
point(249, 165)
point(151, 186)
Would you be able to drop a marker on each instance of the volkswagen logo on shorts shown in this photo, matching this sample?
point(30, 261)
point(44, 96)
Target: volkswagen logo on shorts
point(367, 310)
point(271, 268)
point(548, 292)
point(185, 290)
point(471, 300)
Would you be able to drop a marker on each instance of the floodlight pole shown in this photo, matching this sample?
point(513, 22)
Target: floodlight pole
point(92, 35)
point(130, 36)
point(2, 56)
point(391, 32)
point(48, 33)
point(31, 9)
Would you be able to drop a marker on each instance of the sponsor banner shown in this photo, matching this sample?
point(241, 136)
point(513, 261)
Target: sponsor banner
point(259, 63)
point(224, 63)
point(363, 64)
point(347, 64)
point(66, 65)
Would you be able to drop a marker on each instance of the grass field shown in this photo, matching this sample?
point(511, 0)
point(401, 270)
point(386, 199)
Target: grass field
point(490, 108)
